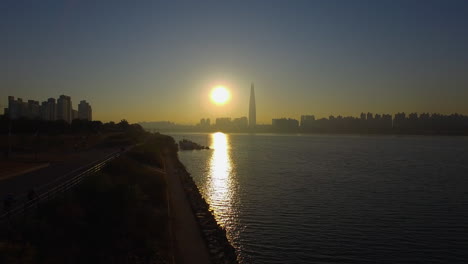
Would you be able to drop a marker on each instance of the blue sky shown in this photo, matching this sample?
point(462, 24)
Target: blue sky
point(150, 60)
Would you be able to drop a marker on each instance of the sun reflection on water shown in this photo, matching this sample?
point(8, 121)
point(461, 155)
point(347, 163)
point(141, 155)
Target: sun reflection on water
point(220, 189)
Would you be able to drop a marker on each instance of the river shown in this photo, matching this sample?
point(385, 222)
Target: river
point(336, 198)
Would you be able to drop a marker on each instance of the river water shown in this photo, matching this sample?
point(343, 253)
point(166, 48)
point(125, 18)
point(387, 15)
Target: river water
point(336, 199)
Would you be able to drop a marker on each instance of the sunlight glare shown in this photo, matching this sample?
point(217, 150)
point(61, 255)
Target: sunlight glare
point(220, 95)
point(220, 183)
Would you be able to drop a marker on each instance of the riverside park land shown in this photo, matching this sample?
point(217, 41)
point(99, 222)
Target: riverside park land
point(141, 207)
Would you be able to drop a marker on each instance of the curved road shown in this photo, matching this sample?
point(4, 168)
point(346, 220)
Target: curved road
point(21, 184)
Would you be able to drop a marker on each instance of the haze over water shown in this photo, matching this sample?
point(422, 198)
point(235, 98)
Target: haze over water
point(336, 199)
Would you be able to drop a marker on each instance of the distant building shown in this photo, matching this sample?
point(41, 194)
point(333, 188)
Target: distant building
point(18, 108)
point(223, 123)
point(48, 110)
point(387, 121)
point(14, 107)
point(64, 108)
point(307, 121)
point(33, 110)
point(205, 123)
point(363, 116)
point(23, 108)
point(84, 111)
point(399, 120)
point(240, 123)
point(285, 124)
point(44, 113)
point(424, 116)
point(252, 109)
point(306, 118)
point(413, 116)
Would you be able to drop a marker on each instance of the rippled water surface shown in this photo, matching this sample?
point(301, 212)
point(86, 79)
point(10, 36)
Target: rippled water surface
point(337, 199)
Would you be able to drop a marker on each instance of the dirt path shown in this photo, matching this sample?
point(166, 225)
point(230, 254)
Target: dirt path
point(188, 241)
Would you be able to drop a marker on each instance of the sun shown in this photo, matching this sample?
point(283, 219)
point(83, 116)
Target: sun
point(220, 95)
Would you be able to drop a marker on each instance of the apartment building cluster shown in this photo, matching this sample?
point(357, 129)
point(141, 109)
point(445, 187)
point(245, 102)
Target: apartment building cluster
point(52, 109)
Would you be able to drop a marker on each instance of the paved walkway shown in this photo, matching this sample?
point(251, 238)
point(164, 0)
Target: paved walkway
point(189, 245)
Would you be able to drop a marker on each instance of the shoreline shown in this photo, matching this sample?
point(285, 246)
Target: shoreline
point(305, 132)
point(279, 134)
point(219, 247)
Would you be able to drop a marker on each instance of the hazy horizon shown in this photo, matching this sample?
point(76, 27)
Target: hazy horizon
point(156, 61)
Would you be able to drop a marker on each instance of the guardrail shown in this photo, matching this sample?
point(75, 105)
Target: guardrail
point(59, 185)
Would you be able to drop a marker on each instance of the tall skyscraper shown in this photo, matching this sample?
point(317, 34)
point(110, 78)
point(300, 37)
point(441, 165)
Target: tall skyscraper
point(252, 109)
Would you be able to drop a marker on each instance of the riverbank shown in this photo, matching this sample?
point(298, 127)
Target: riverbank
point(141, 208)
point(219, 247)
point(196, 236)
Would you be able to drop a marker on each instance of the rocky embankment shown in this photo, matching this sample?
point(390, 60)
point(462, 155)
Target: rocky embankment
point(190, 145)
point(221, 251)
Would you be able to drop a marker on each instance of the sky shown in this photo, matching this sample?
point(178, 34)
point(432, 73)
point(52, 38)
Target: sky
point(158, 60)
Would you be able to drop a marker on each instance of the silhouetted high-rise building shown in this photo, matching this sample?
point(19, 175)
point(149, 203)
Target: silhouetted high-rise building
point(44, 112)
point(399, 120)
point(223, 123)
point(252, 108)
point(47, 110)
point(205, 123)
point(33, 109)
point(84, 111)
point(240, 123)
point(363, 116)
point(18, 108)
point(64, 108)
point(284, 124)
point(14, 108)
point(307, 120)
point(51, 109)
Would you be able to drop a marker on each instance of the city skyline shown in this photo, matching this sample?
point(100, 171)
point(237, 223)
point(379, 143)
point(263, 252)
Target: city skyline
point(84, 111)
point(365, 123)
point(268, 120)
point(138, 62)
